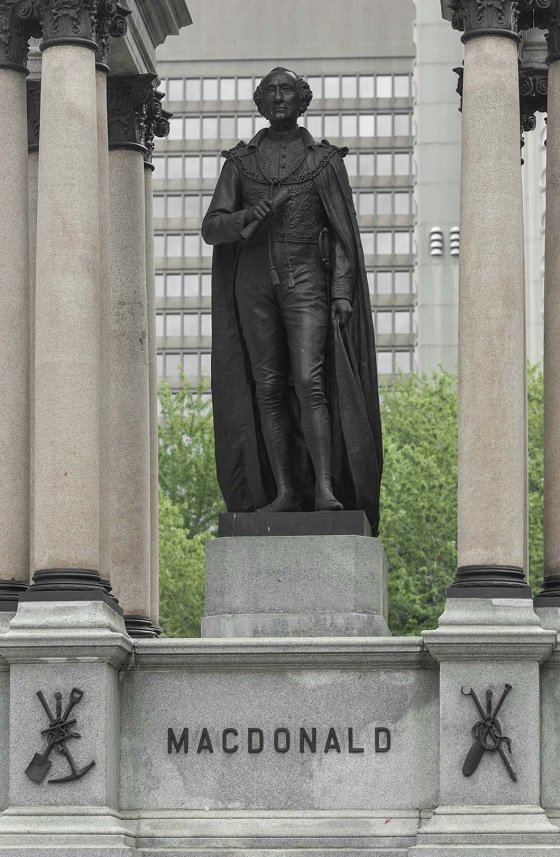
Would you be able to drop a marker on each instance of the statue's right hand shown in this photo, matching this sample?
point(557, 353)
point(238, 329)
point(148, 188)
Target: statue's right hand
point(260, 211)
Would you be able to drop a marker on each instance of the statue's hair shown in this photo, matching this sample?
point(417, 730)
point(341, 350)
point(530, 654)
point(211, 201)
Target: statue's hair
point(303, 90)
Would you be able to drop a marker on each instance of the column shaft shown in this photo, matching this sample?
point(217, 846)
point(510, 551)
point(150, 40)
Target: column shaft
point(492, 386)
point(67, 308)
point(129, 458)
point(552, 337)
point(105, 337)
point(14, 342)
point(153, 384)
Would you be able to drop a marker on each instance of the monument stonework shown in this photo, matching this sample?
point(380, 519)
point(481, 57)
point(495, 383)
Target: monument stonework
point(296, 724)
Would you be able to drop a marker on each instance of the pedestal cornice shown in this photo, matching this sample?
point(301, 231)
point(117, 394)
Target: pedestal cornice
point(485, 18)
point(17, 25)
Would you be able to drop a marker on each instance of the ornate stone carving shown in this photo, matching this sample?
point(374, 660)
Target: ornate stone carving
point(481, 17)
point(533, 95)
point(157, 124)
point(111, 23)
point(553, 32)
point(33, 114)
point(17, 24)
point(534, 14)
point(129, 99)
point(68, 22)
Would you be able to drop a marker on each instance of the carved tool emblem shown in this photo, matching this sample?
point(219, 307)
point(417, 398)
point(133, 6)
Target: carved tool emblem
point(57, 734)
point(487, 733)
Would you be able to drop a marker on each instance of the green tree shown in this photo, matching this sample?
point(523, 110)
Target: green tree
point(419, 497)
point(536, 474)
point(181, 576)
point(187, 467)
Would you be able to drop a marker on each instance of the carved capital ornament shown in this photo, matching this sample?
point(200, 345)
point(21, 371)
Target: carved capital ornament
point(111, 23)
point(486, 18)
point(157, 125)
point(129, 98)
point(17, 24)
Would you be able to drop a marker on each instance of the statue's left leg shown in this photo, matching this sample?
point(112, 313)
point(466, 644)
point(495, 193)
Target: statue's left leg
point(305, 312)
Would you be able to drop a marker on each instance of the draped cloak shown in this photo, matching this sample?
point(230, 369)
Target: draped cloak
point(242, 466)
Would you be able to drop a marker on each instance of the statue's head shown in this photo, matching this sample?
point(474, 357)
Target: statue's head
point(282, 96)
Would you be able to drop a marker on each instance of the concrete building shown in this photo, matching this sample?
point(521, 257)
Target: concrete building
point(382, 75)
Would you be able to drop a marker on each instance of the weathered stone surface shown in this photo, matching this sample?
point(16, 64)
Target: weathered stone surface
point(308, 585)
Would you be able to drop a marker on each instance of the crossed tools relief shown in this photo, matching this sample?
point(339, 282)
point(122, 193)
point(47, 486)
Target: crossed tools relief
point(487, 733)
point(59, 732)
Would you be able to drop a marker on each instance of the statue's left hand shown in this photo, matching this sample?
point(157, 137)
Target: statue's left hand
point(341, 309)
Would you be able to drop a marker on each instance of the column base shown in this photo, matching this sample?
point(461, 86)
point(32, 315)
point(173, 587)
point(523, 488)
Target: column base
point(140, 627)
point(473, 831)
point(10, 593)
point(549, 596)
point(70, 584)
point(490, 581)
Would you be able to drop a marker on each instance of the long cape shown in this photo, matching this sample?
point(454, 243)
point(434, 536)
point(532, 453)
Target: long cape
point(241, 462)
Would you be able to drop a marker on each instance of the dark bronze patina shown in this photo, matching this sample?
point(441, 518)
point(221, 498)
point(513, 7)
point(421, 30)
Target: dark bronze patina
point(294, 377)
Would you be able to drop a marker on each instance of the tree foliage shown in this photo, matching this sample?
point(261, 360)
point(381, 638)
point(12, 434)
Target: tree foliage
point(187, 467)
point(418, 499)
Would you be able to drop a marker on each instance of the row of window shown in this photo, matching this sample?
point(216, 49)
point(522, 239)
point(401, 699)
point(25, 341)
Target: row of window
point(196, 364)
point(329, 86)
point(191, 245)
point(331, 125)
point(169, 324)
point(184, 324)
point(368, 203)
point(199, 285)
point(179, 285)
point(368, 164)
point(170, 364)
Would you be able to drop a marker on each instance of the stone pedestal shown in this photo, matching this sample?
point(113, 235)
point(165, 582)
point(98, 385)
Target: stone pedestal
point(489, 799)
point(295, 585)
point(74, 649)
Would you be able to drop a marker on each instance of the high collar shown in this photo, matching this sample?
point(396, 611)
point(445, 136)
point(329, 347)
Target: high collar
point(308, 140)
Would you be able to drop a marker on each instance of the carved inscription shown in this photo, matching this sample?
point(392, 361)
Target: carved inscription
point(254, 740)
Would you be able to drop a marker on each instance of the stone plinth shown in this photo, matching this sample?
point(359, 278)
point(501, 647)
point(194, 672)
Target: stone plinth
point(295, 585)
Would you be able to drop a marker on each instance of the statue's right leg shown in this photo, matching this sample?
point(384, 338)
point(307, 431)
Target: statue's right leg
point(264, 336)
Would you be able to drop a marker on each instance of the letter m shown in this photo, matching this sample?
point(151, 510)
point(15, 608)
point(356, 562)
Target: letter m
point(173, 744)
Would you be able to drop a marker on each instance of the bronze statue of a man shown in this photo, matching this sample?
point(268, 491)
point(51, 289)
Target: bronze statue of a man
point(294, 378)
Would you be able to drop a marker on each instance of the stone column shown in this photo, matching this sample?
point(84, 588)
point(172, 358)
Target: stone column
point(111, 23)
point(129, 413)
point(66, 513)
point(158, 126)
point(14, 308)
point(550, 596)
point(492, 418)
point(33, 129)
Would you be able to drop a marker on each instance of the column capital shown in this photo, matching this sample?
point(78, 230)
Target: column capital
point(111, 23)
point(129, 98)
point(553, 32)
point(534, 14)
point(485, 18)
point(33, 114)
point(156, 126)
point(68, 22)
point(533, 95)
point(17, 25)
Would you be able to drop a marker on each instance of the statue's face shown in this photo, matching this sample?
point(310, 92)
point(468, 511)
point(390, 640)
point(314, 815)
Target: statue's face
point(280, 102)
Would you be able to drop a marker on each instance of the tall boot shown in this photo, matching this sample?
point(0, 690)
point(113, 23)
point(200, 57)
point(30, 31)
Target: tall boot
point(316, 427)
point(276, 432)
